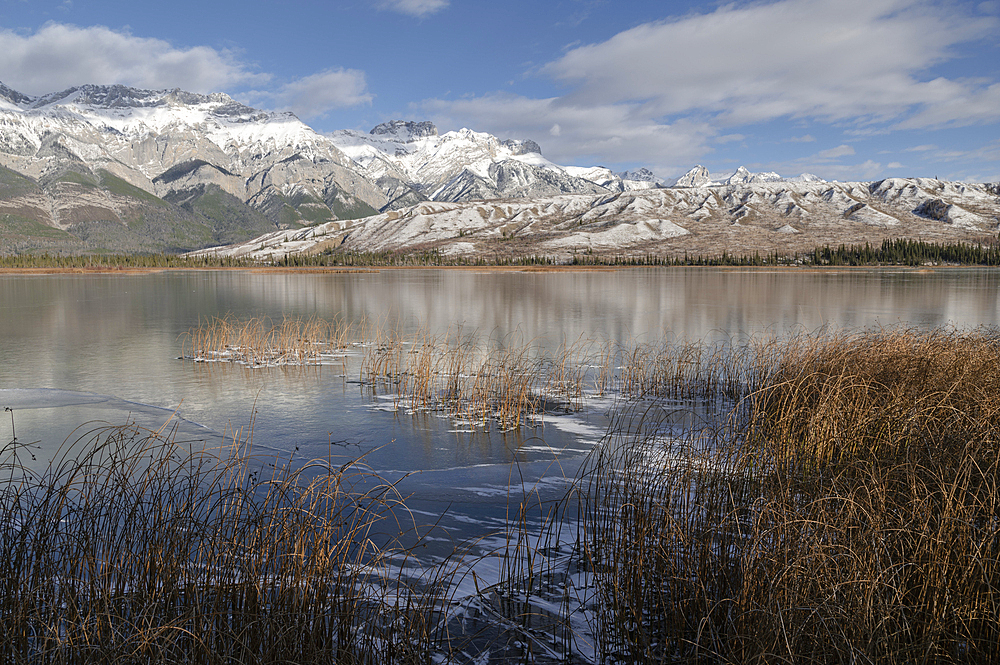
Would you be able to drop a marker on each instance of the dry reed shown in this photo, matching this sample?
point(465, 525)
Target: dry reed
point(259, 342)
point(508, 381)
point(838, 504)
point(847, 510)
point(132, 547)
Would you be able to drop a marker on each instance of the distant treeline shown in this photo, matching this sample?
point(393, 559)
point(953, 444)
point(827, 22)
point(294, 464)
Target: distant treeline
point(907, 253)
point(115, 261)
point(898, 252)
point(891, 252)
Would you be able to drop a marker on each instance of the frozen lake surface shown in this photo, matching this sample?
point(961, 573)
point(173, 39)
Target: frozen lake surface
point(82, 348)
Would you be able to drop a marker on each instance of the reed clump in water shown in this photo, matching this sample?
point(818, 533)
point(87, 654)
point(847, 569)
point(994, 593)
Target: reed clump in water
point(260, 342)
point(479, 379)
point(133, 547)
point(510, 381)
point(848, 510)
point(496, 380)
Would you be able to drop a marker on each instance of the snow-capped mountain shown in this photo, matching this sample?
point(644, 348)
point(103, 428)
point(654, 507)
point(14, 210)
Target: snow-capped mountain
point(700, 177)
point(411, 161)
point(642, 178)
point(178, 146)
point(123, 169)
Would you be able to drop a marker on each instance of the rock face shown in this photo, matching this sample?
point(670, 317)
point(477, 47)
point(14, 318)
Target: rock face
point(700, 177)
point(404, 131)
point(173, 145)
point(411, 162)
point(80, 211)
point(738, 217)
point(696, 177)
point(522, 146)
point(640, 177)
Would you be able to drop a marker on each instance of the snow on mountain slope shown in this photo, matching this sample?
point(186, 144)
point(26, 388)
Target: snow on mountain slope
point(140, 135)
point(739, 218)
point(700, 177)
point(117, 124)
point(465, 165)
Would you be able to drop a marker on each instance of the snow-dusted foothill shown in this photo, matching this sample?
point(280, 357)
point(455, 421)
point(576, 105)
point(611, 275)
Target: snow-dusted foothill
point(738, 217)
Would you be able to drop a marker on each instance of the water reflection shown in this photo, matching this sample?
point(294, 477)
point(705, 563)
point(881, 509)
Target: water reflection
point(120, 335)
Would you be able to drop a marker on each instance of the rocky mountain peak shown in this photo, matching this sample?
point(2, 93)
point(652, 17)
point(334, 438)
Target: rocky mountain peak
point(696, 177)
point(640, 175)
point(177, 97)
point(13, 96)
point(522, 146)
point(700, 177)
point(118, 96)
point(125, 97)
point(405, 131)
point(806, 177)
point(103, 96)
point(742, 176)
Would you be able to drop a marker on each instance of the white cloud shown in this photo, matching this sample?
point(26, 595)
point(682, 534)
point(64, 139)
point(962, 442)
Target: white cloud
point(610, 133)
point(965, 105)
point(665, 92)
point(894, 165)
point(866, 170)
point(414, 7)
point(792, 58)
point(979, 178)
point(59, 56)
point(989, 152)
point(834, 153)
point(315, 96)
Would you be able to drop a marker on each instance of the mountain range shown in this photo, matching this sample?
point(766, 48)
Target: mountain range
point(112, 168)
point(738, 218)
point(412, 162)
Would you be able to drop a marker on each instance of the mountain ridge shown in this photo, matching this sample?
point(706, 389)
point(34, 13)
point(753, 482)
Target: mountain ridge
point(112, 158)
point(271, 162)
point(466, 165)
point(742, 217)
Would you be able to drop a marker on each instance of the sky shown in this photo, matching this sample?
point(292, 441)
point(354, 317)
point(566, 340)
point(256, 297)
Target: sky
point(844, 89)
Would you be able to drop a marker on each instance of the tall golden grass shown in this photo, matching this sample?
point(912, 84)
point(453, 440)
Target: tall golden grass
point(133, 547)
point(847, 510)
point(836, 501)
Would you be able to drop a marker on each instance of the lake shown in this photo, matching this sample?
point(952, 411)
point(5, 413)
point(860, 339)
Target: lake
point(82, 349)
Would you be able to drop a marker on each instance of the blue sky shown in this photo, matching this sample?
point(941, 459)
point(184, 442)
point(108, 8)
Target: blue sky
point(848, 90)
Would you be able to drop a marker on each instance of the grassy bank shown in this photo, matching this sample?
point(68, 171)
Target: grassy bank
point(133, 547)
point(847, 511)
point(840, 506)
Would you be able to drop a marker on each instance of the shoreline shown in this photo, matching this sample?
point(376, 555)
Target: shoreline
point(112, 270)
